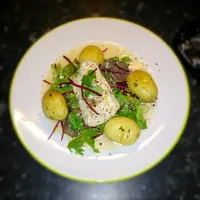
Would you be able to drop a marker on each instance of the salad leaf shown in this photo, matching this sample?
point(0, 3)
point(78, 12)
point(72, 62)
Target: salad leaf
point(57, 69)
point(72, 101)
point(100, 128)
point(60, 76)
point(85, 137)
point(98, 89)
point(69, 70)
point(86, 93)
point(78, 66)
point(88, 79)
point(77, 144)
point(131, 107)
point(63, 89)
point(122, 98)
point(126, 59)
point(115, 58)
point(75, 122)
point(139, 115)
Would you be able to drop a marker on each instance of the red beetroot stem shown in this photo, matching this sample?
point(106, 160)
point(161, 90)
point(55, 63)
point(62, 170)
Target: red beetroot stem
point(105, 50)
point(87, 102)
point(66, 58)
point(47, 82)
point(62, 130)
point(96, 136)
point(83, 87)
point(121, 68)
point(93, 72)
point(54, 129)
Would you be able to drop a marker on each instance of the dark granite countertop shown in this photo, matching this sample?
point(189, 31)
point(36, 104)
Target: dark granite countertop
point(21, 177)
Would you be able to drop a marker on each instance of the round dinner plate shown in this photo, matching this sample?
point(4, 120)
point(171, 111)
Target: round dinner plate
point(154, 144)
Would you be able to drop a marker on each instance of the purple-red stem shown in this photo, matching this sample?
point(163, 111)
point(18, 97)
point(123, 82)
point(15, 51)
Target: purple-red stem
point(83, 87)
point(47, 82)
point(87, 102)
point(62, 130)
point(96, 136)
point(93, 72)
point(105, 50)
point(66, 58)
point(54, 129)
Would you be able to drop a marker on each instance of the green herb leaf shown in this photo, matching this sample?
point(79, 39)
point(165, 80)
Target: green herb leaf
point(84, 138)
point(78, 66)
point(69, 70)
point(87, 80)
point(139, 115)
point(115, 58)
point(131, 107)
point(75, 122)
point(86, 93)
point(122, 99)
point(72, 101)
point(57, 70)
point(77, 144)
point(61, 75)
point(100, 128)
point(126, 59)
point(98, 89)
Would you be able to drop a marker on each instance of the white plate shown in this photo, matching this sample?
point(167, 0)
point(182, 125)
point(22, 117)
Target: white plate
point(154, 144)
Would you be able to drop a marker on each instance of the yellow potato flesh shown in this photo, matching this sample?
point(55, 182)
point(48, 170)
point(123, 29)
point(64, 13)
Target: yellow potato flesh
point(122, 130)
point(54, 105)
point(91, 53)
point(143, 85)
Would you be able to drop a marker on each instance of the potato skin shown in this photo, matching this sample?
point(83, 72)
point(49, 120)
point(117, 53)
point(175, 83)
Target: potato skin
point(122, 130)
point(54, 105)
point(143, 85)
point(92, 53)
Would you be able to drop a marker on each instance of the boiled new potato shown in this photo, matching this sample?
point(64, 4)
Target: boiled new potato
point(122, 130)
point(91, 53)
point(142, 85)
point(54, 105)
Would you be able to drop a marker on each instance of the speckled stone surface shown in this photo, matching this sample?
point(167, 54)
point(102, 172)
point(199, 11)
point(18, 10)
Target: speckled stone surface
point(21, 177)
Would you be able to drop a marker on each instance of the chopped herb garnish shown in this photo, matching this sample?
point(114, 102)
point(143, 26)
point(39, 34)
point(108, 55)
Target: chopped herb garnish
point(121, 128)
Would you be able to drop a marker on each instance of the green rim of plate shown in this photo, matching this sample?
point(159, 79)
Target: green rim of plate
point(96, 181)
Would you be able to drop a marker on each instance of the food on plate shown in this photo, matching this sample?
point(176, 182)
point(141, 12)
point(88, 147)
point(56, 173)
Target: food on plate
point(92, 53)
point(104, 105)
point(142, 84)
point(54, 105)
point(95, 93)
point(123, 130)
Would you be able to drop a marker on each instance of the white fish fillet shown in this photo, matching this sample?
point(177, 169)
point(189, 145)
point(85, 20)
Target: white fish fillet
point(106, 105)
